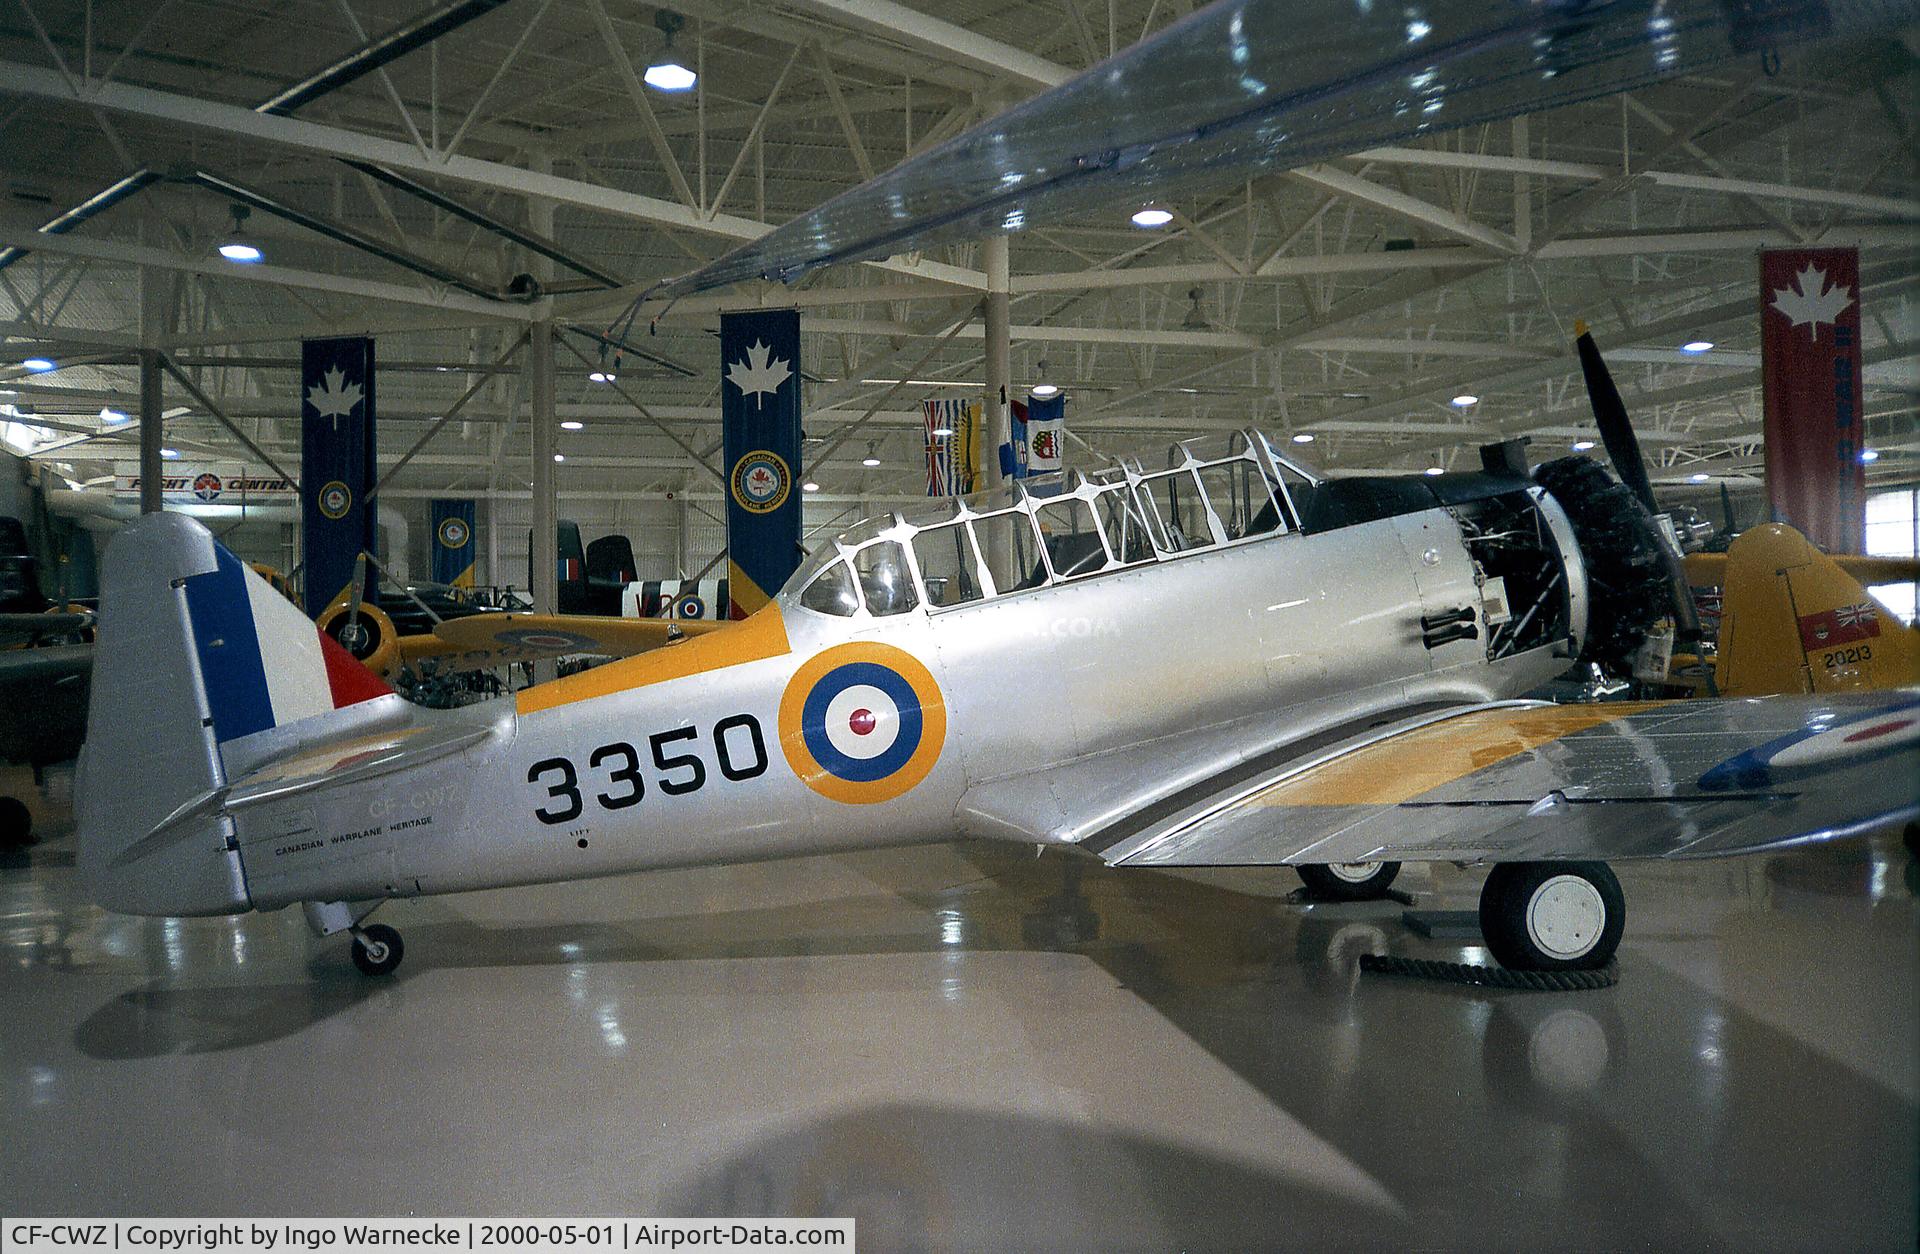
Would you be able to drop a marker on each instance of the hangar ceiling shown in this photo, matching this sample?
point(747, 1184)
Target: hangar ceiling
point(1351, 301)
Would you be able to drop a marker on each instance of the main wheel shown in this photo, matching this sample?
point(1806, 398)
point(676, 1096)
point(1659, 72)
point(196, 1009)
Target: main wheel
point(1348, 881)
point(16, 823)
point(377, 949)
point(1552, 916)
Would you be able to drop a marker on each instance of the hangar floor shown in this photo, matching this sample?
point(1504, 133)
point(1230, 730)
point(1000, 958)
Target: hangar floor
point(929, 1040)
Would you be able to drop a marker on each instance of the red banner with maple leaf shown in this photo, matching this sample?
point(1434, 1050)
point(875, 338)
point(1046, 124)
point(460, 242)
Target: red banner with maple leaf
point(1810, 388)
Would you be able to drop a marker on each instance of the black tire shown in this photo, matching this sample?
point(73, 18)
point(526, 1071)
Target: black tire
point(1327, 883)
point(377, 949)
point(16, 823)
point(1627, 581)
point(1581, 936)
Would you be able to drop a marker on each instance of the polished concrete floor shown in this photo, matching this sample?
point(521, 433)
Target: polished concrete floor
point(971, 1047)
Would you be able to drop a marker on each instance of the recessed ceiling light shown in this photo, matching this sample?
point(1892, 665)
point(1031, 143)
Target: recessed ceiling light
point(169, 453)
point(1581, 446)
point(1304, 437)
point(1152, 216)
point(1869, 454)
point(809, 486)
point(1465, 399)
point(240, 252)
point(37, 365)
point(1696, 346)
point(573, 424)
point(1436, 470)
point(1699, 476)
point(601, 376)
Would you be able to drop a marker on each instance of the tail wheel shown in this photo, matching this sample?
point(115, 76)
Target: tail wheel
point(1348, 881)
point(369, 636)
point(1552, 916)
point(16, 823)
point(377, 949)
point(1620, 545)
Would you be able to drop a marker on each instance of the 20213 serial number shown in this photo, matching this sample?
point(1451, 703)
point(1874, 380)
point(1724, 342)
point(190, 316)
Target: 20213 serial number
point(739, 751)
point(1847, 656)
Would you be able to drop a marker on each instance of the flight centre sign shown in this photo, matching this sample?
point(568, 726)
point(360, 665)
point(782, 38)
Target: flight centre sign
point(210, 486)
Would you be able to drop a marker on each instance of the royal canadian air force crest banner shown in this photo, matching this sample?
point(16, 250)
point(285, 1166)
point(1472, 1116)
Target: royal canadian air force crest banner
point(760, 421)
point(336, 464)
point(453, 541)
point(1810, 389)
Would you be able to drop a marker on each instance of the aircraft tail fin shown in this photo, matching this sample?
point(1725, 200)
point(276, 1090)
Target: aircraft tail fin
point(200, 666)
point(1793, 620)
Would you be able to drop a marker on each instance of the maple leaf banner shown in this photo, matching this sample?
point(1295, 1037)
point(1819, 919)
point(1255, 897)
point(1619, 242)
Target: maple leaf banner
point(337, 470)
point(760, 428)
point(1810, 389)
point(452, 544)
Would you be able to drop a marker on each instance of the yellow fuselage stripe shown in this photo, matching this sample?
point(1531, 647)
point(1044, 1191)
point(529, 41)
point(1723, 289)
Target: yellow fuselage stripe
point(1419, 761)
point(759, 635)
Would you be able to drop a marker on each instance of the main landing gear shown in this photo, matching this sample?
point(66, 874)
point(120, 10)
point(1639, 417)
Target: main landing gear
point(377, 948)
point(1552, 916)
point(1348, 881)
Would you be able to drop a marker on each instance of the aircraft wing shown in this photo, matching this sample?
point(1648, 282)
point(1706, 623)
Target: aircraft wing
point(1245, 87)
point(19, 628)
point(1520, 781)
point(480, 641)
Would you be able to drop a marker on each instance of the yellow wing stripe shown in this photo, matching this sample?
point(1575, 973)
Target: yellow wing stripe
point(761, 635)
point(1419, 761)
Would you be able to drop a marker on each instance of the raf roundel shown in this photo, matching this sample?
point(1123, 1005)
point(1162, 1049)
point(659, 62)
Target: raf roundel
point(862, 723)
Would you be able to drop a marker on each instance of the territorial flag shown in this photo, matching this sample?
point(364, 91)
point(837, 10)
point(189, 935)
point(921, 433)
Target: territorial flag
point(1046, 431)
point(453, 541)
point(953, 446)
point(1810, 390)
point(337, 472)
point(760, 429)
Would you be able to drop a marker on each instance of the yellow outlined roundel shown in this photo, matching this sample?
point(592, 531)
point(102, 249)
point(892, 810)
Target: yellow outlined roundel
point(862, 723)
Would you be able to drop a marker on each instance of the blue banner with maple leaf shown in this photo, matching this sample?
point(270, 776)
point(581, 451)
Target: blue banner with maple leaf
point(1810, 389)
point(760, 423)
point(337, 471)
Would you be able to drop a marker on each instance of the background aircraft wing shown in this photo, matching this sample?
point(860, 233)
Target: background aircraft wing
point(479, 641)
point(1522, 782)
point(18, 628)
point(1247, 86)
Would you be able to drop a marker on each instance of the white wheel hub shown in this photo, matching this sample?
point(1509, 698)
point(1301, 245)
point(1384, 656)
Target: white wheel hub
point(1353, 872)
point(1565, 917)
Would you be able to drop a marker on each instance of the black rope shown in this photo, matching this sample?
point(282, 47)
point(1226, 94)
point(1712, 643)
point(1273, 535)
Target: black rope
point(1491, 977)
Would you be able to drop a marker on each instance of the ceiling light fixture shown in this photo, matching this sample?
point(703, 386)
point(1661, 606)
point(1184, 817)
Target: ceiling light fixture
point(601, 376)
point(664, 72)
point(1303, 437)
point(1696, 346)
point(942, 431)
point(1196, 319)
point(1699, 476)
point(169, 453)
point(1436, 470)
point(1042, 388)
point(1869, 454)
point(238, 247)
point(809, 486)
point(1581, 446)
point(38, 365)
point(112, 415)
point(872, 458)
point(1465, 399)
point(559, 457)
point(1152, 217)
point(573, 424)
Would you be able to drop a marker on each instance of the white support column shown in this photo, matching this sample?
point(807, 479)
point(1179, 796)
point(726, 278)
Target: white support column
point(546, 546)
point(997, 413)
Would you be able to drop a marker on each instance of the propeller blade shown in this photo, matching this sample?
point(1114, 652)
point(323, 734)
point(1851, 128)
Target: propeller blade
point(1610, 413)
point(1726, 510)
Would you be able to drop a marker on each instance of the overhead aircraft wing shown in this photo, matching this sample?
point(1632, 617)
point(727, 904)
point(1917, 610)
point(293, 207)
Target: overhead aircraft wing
point(1520, 781)
point(1243, 87)
point(480, 641)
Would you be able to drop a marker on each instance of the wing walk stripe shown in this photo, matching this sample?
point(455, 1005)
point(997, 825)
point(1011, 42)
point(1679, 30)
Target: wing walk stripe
point(1422, 759)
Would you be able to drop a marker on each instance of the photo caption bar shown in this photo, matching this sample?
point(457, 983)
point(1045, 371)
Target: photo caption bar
point(352, 1236)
